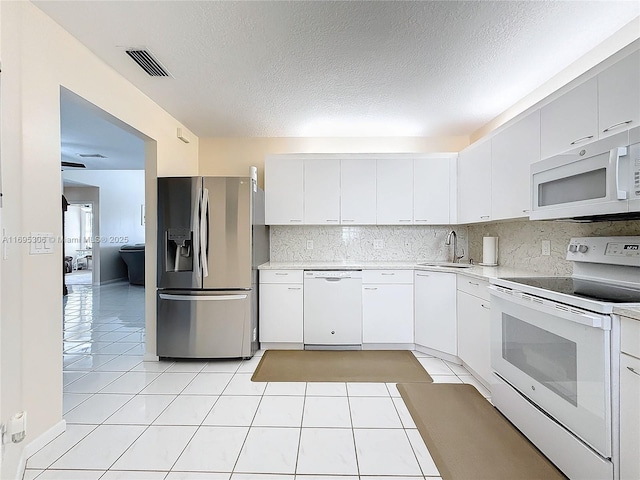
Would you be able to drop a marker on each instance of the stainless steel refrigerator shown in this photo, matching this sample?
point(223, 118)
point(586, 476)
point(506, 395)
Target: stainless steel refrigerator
point(211, 239)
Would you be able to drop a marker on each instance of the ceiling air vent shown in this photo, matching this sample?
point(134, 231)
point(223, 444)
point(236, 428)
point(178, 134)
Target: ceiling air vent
point(91, 155)
point(148, 63)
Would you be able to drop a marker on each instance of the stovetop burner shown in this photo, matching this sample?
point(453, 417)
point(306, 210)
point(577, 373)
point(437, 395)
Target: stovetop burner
point(588, 289)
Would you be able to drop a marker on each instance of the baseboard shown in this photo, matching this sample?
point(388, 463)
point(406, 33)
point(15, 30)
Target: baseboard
point(37, 443)
point(437, 353)
point(388, 346)
point(281, 346)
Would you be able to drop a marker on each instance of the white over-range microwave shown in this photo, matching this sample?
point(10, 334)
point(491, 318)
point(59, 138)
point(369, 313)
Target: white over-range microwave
point(595, 180)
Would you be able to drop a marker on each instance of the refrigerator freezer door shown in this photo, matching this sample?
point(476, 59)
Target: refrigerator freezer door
point(205, 324)
point(229, 241)
point(178, 232)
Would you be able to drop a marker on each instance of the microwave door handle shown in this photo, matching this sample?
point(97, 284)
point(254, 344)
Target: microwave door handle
point(614, 159)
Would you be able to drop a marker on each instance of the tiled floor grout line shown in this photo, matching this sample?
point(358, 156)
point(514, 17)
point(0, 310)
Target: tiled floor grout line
point(353, 432)
point(304, 403)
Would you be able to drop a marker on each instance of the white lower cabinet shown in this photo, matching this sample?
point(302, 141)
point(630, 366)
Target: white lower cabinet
point(630, 400)
point(435, 311)
point(281, 307)
point(387, 308)
point(474, 333)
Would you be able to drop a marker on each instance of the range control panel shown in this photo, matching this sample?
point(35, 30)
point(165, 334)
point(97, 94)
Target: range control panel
point(609, 250)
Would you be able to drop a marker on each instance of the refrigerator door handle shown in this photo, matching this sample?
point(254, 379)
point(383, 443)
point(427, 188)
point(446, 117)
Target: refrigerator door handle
point(204, 234)
point(199, 298)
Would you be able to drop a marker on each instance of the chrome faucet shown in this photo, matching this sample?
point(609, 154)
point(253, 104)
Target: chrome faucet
point(453, 234)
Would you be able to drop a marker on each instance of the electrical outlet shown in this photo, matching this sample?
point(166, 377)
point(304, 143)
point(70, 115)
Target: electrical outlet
point(378, 244)
point(309, 244)
point(546, 247)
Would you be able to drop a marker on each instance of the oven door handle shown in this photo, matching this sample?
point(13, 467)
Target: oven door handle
point(556, 309)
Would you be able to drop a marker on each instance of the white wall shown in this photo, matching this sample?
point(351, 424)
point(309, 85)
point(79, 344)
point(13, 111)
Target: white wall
point(38, 58)
point(121, 194)
point(72, 230)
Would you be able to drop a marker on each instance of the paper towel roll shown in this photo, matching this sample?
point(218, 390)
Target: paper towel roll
point(490, 250)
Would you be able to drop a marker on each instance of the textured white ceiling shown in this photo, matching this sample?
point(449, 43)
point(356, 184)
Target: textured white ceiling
point(341, 68)
point(85, 129)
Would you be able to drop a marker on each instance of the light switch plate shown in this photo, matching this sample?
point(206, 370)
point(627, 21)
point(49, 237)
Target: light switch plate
point(546, 247)
point(41, 243)
point(378, 244)
point(309, 244)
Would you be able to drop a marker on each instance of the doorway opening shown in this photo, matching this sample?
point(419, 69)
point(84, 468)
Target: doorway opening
point(78, 244)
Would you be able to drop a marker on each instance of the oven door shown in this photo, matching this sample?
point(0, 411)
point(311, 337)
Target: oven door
point(593, 180)
point(559, 358)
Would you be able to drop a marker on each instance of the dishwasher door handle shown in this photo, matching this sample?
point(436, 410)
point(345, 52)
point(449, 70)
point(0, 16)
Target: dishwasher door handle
point(333, 279)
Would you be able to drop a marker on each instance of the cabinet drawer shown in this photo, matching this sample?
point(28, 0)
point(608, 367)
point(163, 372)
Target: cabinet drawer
point(630, 337)
point(474, 286)
point(280, 276)
point(387, 276)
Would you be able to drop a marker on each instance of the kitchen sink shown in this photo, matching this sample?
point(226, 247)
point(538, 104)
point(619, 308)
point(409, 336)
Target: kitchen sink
point(446, 264)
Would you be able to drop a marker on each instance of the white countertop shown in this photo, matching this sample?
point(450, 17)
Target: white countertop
point(477, 271)
point(633, 313)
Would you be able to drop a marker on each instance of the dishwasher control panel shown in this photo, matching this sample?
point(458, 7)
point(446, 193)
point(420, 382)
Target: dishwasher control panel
point(333, 274)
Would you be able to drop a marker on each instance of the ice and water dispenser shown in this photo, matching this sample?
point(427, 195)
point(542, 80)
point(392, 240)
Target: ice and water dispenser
point(179, 250)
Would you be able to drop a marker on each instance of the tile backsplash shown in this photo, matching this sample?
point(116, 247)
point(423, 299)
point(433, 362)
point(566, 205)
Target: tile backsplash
point(519, 245)
point(356, 243)
point(520, 242)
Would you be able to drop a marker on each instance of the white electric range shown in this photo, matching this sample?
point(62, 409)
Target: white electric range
point(555, 348)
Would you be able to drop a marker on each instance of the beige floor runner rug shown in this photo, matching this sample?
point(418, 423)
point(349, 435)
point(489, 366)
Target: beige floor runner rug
point(469, 439)
point(397, 366)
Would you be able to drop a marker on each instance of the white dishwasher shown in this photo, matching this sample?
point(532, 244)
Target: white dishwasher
point(333, 309)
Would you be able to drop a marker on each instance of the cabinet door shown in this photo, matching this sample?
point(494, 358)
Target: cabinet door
point(358, 192)
point(394, 191)
point(512, 152)
point(435, 311)
point(474, 183)
point(570, 121)
point(283, 182)
point(322, 191)
point(387, 313)
point(474, 334)
point(619, 96)
point(431, 191)
point(281, 310)
point(629, 417)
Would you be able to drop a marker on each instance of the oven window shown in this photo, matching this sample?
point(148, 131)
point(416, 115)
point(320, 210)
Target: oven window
point(548, 358)
point(584, 186)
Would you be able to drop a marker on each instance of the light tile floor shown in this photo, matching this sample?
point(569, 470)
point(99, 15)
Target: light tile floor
point(134, 420)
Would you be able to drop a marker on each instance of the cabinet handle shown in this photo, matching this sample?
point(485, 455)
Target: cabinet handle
point(421, 220)
point(588, 137)
point(331, 220)
point(422, 275)
point(388, 274)
point(484, 306)
point(484, 216)
point(404, 220)
point(616, 125)
point(295, 221)
point(476, 284)
point(282, 274)
point(525, 211)
point(633, 370)
point(370, 288)
point(348, 220)
point(294, 288)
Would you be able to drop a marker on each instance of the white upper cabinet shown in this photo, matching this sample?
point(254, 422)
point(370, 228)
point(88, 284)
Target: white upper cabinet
point(394, 191)
point(512, 152)
point(358, 187)
point(619, 96)
point(284, 190)
point(571, 120)
point(322, 191)
point(431, 191)
point(474, 183)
